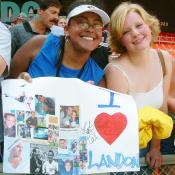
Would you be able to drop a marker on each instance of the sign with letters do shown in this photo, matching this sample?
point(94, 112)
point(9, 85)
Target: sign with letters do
point(66, 126)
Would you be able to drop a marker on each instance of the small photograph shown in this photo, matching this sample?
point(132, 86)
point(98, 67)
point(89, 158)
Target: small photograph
point(31, 121)
point(79, 166)
point(83, 148)
point(41, 122)
point(66, 166)
point(50, 166)
point(40, 133)
point(17, 156)
point(27, 114)
point(69, 116)
point(82, 166)
point(53, 135)
point(53, 119)
point(20, 115)
point(75, 147)
point(76, 166)
point(23, 131)
point(43, 160)
point(22, 98)
point(63, 144)
point(44, 105)
point(36, 161)
point(52, 139)
point(9, 125)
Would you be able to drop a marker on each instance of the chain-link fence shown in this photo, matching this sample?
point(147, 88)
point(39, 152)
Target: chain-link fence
point(168, 167)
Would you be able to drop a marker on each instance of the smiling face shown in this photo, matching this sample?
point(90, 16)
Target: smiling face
point(83, 38)
point(136, 33)
point(50, 156)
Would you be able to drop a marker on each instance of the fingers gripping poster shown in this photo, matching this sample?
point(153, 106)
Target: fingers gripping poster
point(68, 127)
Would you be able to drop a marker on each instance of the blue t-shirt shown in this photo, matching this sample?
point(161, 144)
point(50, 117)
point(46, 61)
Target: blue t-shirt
point(45, 64)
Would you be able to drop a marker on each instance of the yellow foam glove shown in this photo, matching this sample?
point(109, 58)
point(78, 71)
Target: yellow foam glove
point(153, 120)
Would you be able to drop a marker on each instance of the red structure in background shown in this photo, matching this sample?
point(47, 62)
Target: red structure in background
point(166, 41)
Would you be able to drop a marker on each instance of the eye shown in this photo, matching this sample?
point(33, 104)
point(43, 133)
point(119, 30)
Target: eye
point(83, 25)
point(139, 25)
point(98, 26)
point(125, 32)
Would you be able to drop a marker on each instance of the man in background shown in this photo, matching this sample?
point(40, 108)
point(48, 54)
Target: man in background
point(47, 15)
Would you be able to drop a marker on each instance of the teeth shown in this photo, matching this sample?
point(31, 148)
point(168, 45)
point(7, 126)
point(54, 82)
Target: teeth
point(138, 41)
point(87, 38)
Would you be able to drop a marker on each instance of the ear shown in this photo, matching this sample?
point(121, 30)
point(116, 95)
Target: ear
point(66, 31)
point(40, 11)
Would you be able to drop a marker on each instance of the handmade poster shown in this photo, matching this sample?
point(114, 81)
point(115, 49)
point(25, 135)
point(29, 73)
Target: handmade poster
point(68, 127)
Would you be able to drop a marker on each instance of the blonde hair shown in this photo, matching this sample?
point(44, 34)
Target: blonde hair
point(62, 17)
point(116, 25)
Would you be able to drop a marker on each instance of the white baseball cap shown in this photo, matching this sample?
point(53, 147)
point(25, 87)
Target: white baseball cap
point(88, 8)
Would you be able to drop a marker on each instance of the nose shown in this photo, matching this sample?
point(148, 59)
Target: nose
point(91, 28)
point(56, 17)
point(134, 32)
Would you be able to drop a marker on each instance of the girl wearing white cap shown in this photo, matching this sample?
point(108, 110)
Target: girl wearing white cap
point(68, 56)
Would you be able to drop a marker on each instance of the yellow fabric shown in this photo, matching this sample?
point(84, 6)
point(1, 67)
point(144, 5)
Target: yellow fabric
point(153, 120)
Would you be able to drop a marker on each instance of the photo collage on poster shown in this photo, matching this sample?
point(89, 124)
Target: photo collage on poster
point(32, 130)
point(72, 151)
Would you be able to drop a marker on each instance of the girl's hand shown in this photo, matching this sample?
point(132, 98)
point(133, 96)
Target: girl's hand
point(26, 76)
point(154, 158)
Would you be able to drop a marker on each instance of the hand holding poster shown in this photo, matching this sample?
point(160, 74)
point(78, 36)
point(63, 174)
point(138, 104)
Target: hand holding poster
point(67, 126)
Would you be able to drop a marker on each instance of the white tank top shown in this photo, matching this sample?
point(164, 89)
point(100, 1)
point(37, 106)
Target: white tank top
point(153, 98)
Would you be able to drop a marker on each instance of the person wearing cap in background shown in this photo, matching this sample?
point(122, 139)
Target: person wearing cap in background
point(68, 56)
point(47, 15)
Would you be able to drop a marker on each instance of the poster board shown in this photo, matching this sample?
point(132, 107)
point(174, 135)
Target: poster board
point(68, 122)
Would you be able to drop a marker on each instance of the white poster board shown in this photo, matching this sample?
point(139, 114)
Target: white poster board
point(82, 128)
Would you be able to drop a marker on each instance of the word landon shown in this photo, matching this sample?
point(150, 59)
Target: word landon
point(118, 162)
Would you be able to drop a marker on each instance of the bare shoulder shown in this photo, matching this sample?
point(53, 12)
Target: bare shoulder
point(173, 63)
point(34, 44)
point(116, 77)
point(25, 54)
point(37, 40)
point(167, 57)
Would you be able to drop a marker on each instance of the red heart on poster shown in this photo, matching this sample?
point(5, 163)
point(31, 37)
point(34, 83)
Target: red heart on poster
point(110, 127)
